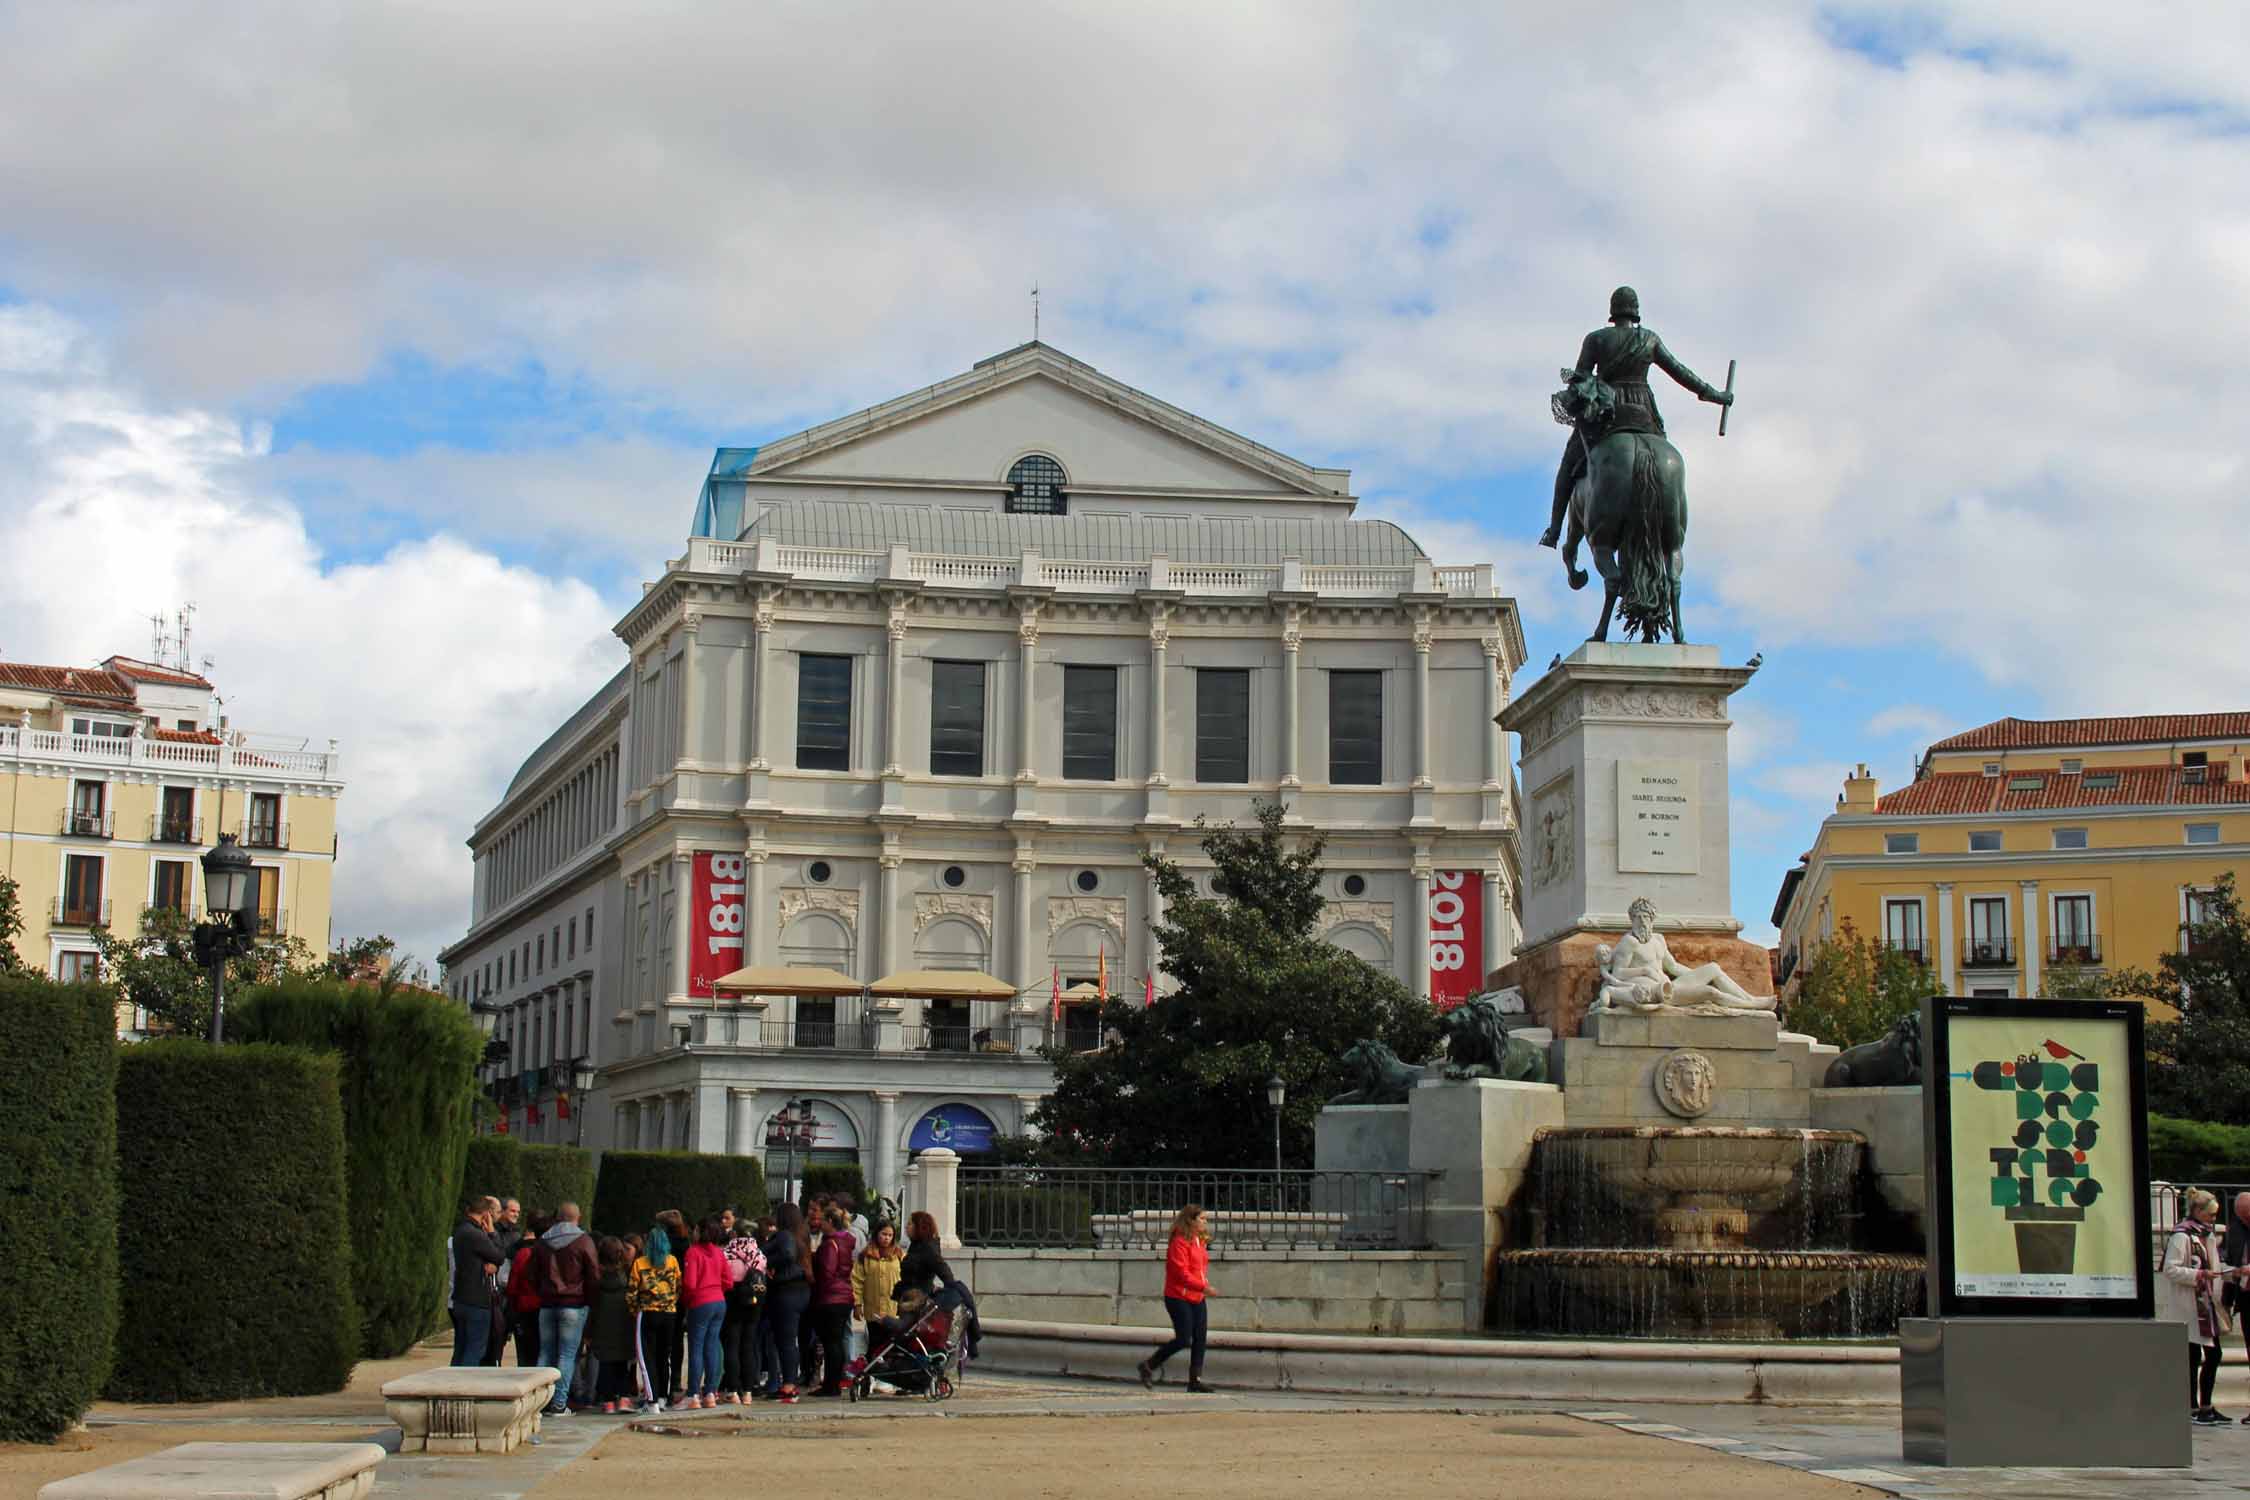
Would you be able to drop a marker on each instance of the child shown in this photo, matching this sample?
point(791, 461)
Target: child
point(609, 1332)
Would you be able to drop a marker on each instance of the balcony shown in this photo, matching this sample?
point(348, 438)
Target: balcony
point(83, 823)
point(1988, 953)
point(2076, 948)
point(1913, 948)
point(166, 829)
point(161, 756)
point(265, 835)
point(69, 913)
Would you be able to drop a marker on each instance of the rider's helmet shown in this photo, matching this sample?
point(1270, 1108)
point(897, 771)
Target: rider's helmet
point(1624, 305)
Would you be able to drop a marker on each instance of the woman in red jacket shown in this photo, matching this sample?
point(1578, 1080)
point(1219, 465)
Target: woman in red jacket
point(1187, 1283)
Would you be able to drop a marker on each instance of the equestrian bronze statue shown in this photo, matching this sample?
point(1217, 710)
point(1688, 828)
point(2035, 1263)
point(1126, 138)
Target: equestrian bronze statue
point(1622, 488)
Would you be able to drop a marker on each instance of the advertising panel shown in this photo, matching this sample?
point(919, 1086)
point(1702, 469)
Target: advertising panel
point(957, 1127)
point(717, 915)
point(1456, 936)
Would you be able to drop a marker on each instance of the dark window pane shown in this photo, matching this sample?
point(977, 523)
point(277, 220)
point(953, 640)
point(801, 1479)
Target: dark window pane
point(82, 887)
point(824, 713)
point(1089, 723)
point(957, 718)
point(1355, 728)
point(1222, 725)
point(1035, 487)
point(171, 884)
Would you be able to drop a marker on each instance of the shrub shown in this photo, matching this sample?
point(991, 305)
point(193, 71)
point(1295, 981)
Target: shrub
point(538, 1177)
point(840, 1177)
point(58, 1201)
point(1012, 1214)
point(407, 1060)
point(234, 1269)
point(635, 1186)
point(2193, 1150)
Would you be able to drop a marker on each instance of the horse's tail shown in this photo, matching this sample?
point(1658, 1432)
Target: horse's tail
point(1645, 592)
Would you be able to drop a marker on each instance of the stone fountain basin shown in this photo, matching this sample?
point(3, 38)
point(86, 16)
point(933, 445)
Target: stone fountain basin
point(1747, 1167)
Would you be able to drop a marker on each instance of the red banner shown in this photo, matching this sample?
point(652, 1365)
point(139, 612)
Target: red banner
point(1456, 936)
point(718, 916)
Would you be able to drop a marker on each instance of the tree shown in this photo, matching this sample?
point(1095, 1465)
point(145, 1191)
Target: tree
point(1183, 1082)
point(2201, 1062)
point(1854, 989)
point(156, 969)
point(11, 925)
point(2069, 981)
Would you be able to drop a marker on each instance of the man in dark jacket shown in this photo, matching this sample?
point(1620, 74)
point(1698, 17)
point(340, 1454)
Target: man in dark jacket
point(568, 1275)
point(2234, 1254)
point(475, 1258)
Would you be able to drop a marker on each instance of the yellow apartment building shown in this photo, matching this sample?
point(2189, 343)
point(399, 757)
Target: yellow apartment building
point(2024, 844)
point(119, 777)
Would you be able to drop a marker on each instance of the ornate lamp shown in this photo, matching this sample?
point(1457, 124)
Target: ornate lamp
point(230, 903)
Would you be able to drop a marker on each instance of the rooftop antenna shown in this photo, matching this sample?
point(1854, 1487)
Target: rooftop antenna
point(1035, 312)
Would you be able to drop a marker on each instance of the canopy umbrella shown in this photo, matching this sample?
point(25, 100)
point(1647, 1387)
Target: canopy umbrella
point(1084, 990)
point(786, 979)
point(942, 984)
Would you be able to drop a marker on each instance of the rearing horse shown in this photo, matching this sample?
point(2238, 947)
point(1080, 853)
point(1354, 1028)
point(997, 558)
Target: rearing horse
point(1631, 508)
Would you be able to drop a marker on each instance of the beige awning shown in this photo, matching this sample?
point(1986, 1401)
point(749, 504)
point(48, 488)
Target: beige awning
point(785, 979)
point(943, 984)
point(1084, 990)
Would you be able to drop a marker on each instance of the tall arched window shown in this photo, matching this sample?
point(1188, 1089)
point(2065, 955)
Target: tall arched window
point(1035, 487)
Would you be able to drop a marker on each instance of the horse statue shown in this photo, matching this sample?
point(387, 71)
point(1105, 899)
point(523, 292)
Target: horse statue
point(1622, 487)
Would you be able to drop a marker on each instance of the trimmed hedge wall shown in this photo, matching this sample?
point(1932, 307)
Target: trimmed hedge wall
point(835, 1178)
point(2194, 1151)
point(58, 1202)
point(538, 1177)
point(636, 1186)
point(407, 1066)
point(235, 1268)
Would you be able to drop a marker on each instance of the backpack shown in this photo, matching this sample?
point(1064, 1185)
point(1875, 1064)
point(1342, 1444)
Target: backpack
point(748, 1294)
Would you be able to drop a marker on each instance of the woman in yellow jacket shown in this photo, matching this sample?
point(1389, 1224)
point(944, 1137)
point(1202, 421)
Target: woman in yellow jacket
point(875, 1282)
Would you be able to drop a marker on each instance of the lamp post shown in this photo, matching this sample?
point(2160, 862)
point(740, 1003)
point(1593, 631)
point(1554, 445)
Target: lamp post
point(1277, 1093)
point(581, 1082)
point(793, 1125)
point(230, 894)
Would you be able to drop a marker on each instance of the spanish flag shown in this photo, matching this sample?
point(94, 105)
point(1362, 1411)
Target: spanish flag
point(1102, 982)
point(1054, 1008)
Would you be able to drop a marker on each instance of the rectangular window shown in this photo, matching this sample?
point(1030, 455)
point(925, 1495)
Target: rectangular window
point(1082, 1027)
point(2027, 783)
point(1089, 724)
point(101, 729)
point(1988, 930)
point(72, 967)
point(1902, 927)
point(572, 930)
point(2070, 838)
point(1222, 724)
point(589, 929)
point(269, 901)
point(1991, 994)
point(2074, 930)
point(2196, 909)
point(1902, 843)
point(1992, 768)
point(265, 820)
point(2073, 767)
point(956, 718)
point(2099, 781)
point(2203, 833)
point(816, 1021)
point(176, 823)
point(171, 885)
point(1355, 728)
point(824, 713)
point(88, 800)
point(82, 890)
point(540, 956)
point(1985, 841)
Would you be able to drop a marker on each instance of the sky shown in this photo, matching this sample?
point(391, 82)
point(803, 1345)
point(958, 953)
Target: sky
point(397, 338)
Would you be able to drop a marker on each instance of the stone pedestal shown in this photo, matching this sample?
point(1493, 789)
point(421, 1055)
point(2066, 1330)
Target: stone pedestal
point(2043, 1393)
point(1682, 1068)
point(228, 1471)
point(1624, 767)
point(457, 1410)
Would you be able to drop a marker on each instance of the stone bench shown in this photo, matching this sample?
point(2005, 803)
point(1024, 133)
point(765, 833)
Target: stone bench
point(460, 1410)
point(235, 1471)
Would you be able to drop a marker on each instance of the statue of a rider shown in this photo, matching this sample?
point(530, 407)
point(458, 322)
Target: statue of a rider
point(1619, 356)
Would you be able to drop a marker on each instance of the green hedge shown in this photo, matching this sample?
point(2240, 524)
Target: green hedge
point(235, 1268)
point(408, 1066)
point(636, 1186)
point(539, 1177)
point(58, 1202)
point(835, 1178)
point(2195, 1150)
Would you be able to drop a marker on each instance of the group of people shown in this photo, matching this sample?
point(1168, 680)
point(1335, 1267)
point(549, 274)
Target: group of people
point(2204, 1282)
point(688, 1316)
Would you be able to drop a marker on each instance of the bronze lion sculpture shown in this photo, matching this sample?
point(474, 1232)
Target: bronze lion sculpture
point(1378, 1077)
point(1477, 1045)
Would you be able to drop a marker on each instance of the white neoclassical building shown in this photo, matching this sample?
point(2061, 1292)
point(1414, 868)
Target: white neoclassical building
point(926, 685)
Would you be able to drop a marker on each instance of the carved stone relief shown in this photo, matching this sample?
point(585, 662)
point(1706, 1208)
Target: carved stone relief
point(1623, 703)
point(1685, 1083)
point(1553, 852)
point(1107, 910)
point(930, 906)
point(796, 900)
point(1375, 914)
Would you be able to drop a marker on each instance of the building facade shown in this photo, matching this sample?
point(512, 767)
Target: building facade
point(120, 777)
point(926, 685)
point(2024, 845)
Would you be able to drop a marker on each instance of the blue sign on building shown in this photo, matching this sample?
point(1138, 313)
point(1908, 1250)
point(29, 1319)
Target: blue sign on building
point(957, 1127)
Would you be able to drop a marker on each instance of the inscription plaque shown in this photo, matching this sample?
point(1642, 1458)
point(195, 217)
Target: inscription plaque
point(1659, 817)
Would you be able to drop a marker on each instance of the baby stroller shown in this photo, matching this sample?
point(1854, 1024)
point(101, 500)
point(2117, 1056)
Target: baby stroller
point(923, 1357)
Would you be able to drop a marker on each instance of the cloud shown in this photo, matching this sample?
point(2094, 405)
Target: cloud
point(434, 665)
point(1911, 720)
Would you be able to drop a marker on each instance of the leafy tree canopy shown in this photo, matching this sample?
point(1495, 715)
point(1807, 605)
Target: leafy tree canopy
point(11, 926)
point(1183, 1082)
point(156, 969)
point(1855, 988)
point(2199, 1065)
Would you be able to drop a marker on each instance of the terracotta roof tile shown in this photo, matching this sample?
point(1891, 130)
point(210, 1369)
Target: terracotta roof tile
point(183, 736)
point(142, 671)
point(1945, 792)
point(84, 685)
point(2128, 729)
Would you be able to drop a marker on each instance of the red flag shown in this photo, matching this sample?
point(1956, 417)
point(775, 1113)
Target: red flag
point(531, 1115)
point(1102, 960)
point(502, 1127)
point(1148, 990)
point(1054, 1008)
point(562, 1106)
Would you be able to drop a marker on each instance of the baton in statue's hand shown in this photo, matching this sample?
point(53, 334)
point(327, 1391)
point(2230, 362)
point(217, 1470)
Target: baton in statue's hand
point(1729, 407)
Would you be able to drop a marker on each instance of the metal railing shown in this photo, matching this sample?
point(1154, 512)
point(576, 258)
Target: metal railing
point(1988, 953)
point(2082, 949)
point(1131, 1208)
point(2167, 1204)
point(981, 1026)
point(80, 823)
point(1913, 948)
point(163, 829)
point(265, 835)
point(69, 913)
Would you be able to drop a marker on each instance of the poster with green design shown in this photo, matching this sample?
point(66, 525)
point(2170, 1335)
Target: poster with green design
point(2042, 1157)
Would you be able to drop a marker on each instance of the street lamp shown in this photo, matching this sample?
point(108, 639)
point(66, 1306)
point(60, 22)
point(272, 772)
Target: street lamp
point(793, 1125)
point(1277, 1093)
point(230, 896)
point(581, 1083)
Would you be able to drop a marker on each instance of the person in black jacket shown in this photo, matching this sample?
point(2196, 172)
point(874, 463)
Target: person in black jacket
point(2234, 1254)
point(787, 1292)
point(925, 1269)
point(476, 1257)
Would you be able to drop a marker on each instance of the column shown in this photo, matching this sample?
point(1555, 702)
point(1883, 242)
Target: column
point(1946, 950)
point(683, 891)
point(628, 1127)
point(1417, 944)
point(1159, 638)
point(1422, 699)
point(894, 657)
point(680, 1116)
point(887, 922)
point(1495, 738)
point(1291, 640)
point(710, 1132)
point(1020, 872)
point(691, 657)
point(1495, 926)
point(760, 663)
point(757, 943)
point(742, 1123)
point(2031, 939)
point(884, 1166)
point(1027, 655)
point(941, 1185)
point(655, 1134)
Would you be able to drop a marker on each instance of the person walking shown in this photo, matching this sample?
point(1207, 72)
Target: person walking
point(1187, 1288)
point(2191, 1275)
point(476, 1259)
point(703, 1302)
point(653, 1296)
point(746, 1300)
point(568, 1276)
point(787, 1292)
point(832, 1300)
point(609, 1331)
